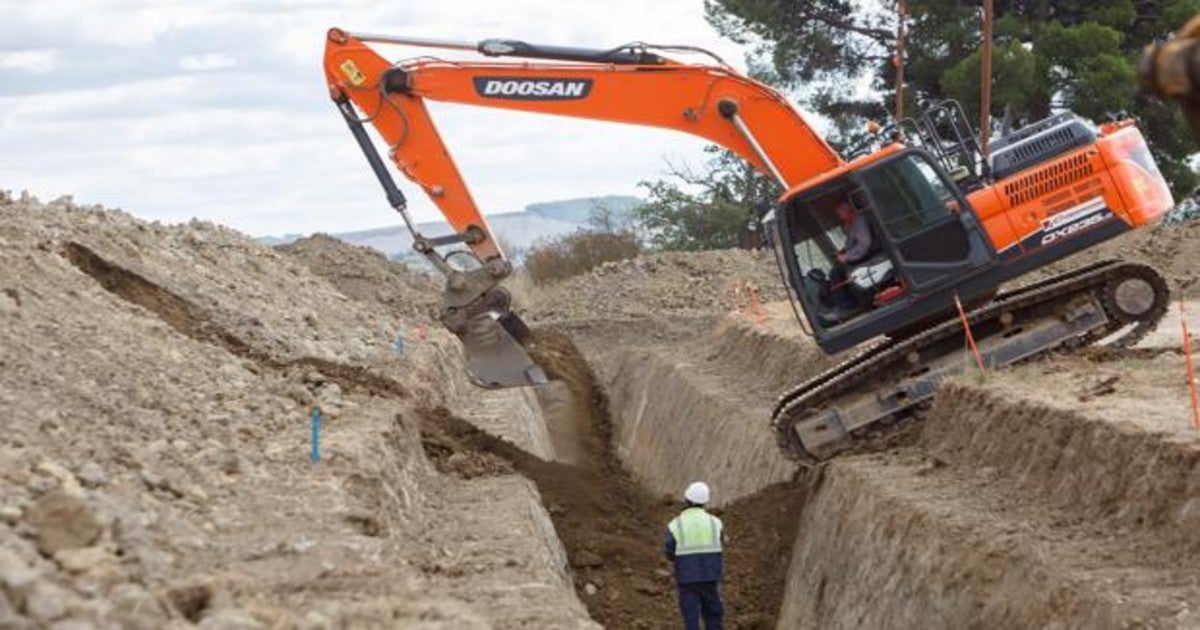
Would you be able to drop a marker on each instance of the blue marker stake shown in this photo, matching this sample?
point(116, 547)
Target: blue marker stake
point(398, 344)
point(316, 435)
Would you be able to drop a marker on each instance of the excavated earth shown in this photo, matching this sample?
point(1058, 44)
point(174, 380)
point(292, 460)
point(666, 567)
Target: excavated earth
point(1061, 493)
point(157, 470)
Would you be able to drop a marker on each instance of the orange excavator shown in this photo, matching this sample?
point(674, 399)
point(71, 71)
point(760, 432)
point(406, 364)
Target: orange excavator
point(900, 249)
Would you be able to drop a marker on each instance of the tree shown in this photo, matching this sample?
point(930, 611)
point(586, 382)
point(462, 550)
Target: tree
point(1067, 54)
point(821, 49)
point(709, 210)
point(605, 219)
point(578, 253)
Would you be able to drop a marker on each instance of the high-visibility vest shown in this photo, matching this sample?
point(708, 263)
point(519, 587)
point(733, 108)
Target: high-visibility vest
point(696, 531)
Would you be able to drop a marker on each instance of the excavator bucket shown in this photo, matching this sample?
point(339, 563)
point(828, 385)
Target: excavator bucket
point(479, 312)
point(496, 357)
point(475, 308)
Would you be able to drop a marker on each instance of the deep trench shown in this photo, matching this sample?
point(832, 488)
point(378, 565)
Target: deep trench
point(612, 527)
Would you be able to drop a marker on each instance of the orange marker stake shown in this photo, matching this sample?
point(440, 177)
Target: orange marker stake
point(1191, 370)
point(962, 315)
point(756, 309)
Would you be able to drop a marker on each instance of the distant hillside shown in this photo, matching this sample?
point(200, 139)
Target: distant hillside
point(580, 210)
point(516, 230)
point(272, 241)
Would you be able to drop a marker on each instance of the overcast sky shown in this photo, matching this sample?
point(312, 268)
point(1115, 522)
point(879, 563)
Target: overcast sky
point(217, 109)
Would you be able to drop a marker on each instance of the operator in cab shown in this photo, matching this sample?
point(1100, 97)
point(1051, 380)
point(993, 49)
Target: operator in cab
point(858, 237)
point(855, 250)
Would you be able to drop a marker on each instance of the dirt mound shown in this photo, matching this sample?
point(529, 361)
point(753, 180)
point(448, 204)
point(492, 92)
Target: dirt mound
point(670, 283)
point(366, 275)
point(714, 282)
point(161, 380)
point(613, 529)
point(1170, 248)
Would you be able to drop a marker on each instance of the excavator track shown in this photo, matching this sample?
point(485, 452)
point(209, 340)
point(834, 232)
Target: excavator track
point(855, 402)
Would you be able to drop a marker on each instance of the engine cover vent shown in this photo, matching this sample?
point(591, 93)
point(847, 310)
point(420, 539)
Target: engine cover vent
point(1038, 143)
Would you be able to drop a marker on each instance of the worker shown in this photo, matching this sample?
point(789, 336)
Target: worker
point(857, 248)
point(694, 541)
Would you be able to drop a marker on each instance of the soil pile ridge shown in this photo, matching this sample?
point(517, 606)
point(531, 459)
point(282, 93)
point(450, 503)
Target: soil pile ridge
point(661, 284)
point(156, 471)
point(366, 275)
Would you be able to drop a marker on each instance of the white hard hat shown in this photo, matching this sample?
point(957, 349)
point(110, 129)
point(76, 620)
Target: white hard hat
point(697, 492)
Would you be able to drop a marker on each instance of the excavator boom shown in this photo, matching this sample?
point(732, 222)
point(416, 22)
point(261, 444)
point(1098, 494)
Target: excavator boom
point(641, 89)
point(630, 84)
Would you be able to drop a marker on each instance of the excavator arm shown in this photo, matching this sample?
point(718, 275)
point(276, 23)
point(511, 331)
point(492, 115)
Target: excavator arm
point(630, 84)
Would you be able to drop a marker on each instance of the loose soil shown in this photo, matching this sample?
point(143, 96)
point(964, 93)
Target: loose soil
point(612, 527)
point(667, 283)
point(156, 471)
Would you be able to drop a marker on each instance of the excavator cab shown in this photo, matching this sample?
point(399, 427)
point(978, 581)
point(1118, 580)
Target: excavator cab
point(924, 239)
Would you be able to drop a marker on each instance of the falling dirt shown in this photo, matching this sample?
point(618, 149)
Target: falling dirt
point(612, 527)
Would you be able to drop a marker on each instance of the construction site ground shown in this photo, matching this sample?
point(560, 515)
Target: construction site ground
point(156, 469)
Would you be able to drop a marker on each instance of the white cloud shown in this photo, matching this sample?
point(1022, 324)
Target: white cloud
point(219, 110)
point(32, 61)
point(207, 62)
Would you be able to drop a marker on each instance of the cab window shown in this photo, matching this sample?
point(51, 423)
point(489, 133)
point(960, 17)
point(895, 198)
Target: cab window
point(910, 196)
point(918, 210)
point(816, 236)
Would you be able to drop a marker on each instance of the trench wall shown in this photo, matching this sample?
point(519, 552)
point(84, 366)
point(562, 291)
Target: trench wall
point(1003, 514)
point(1118, 474)
point(672, 429)
point(696, 404)
point(994, 513)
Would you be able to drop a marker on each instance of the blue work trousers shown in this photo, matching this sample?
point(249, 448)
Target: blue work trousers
point(700, 600)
